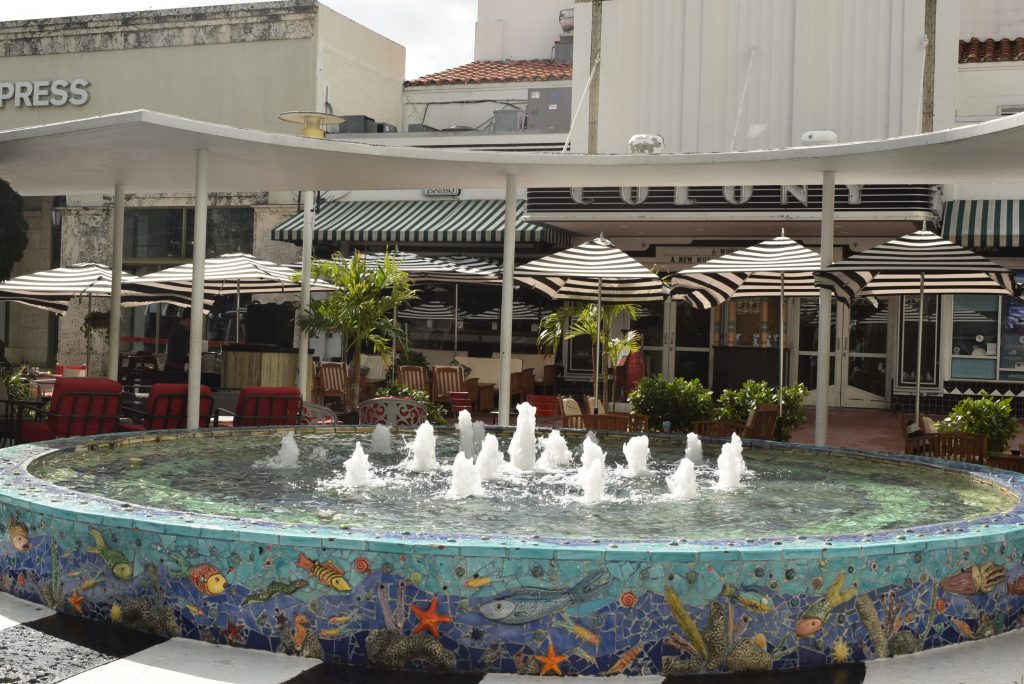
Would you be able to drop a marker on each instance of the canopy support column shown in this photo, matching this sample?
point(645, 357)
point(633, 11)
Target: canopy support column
point(828, 207)
point(195, 332)
point(508, 265)
point(116, 264)
point(307, 259)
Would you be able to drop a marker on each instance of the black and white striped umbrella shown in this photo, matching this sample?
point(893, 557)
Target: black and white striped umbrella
point(521, 311)
point(920, 263)
point(233, 274)
point(441, 269)
point(596, 271)
point(907, 264)
point(53, 289)
point(431, 311)
point(775, 267)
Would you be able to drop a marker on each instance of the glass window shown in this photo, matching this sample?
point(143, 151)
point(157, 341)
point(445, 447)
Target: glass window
point(153, 233)
point(228, 231)
point(167, 233)
point(975, 336)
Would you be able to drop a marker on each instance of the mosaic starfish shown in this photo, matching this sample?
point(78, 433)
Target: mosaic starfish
point(550, 662)
point(76, 601)
point(429, 619)
point(233, 632)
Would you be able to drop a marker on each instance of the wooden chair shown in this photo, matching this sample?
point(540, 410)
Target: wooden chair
point(570, 407)
point(333, 383)
point(550, 382)
point(459, 401)
point(414, 377)
point(616, 422)
point(79, 406)
point(953, 446)
point(760, 424)
point(594, 405)
point(167, 408)
point(449, 379)
point(267, 406)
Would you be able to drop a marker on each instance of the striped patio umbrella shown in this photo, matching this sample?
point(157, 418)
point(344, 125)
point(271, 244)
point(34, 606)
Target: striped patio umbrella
point(779, 267)
point(53, 290)
point(596, 271)
point(916, 264)
point(232, 274)
point(431, 311)
point(520, 312)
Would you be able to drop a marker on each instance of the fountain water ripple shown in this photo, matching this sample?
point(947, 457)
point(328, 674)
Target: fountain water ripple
point(592, 451)
point(694, 450)
point(730, 464)
point(467, 443)
point(591, 478)
point(423, 452)
point(522, 449)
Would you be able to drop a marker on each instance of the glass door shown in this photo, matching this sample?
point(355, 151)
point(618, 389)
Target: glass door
point(864, 353)
point(807, 357)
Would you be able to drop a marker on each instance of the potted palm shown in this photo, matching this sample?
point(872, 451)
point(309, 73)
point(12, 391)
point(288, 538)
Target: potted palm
point(360, 309)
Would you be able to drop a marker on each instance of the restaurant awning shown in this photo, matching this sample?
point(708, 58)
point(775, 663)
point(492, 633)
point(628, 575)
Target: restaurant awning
point(417, 221)
point(983, 224)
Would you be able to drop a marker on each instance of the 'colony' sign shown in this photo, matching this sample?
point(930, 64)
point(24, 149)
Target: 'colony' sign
point(56, 93)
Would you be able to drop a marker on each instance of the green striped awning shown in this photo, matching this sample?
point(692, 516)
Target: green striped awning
point(411, 221)
point(983, 223)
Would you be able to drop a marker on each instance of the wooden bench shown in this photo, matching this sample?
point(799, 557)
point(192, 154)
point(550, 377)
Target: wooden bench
point(760, 424)
point(953, 446)
point(616, 422)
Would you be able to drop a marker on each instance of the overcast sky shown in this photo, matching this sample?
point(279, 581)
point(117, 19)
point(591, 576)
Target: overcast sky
point(437, 34)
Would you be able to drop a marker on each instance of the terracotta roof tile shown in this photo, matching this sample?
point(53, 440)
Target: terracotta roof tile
point(508, 71)
point(991, 50)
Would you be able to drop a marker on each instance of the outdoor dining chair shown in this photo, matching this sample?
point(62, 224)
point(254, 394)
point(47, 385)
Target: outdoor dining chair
point(333, 383)
point(79, 406)
point(760, 424)
point(167, 406)
point(414, 377)
point(449, 379)
point(259, 406)
point(459, 401)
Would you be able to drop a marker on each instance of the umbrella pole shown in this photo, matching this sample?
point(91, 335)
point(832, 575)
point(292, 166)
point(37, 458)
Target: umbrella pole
point(455, 322)
point(156, 340)
point(238, 307)
point(782, 346)
point(88, 340)
point(597, 347)
point(394, 344)
point(920, 347)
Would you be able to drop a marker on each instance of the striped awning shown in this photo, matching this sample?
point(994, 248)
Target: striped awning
point(231, 274)
point(431, 311)
point(441, 269)
point(412, 221)
point(521, 311)
point(983, 224)
point(768, 269)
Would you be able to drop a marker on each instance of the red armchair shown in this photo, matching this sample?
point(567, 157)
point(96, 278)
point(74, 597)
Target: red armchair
point(79, 406)
point(259, 406)
point(167, 406)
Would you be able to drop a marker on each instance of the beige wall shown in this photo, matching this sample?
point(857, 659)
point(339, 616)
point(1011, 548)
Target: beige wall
point(358, 71)
point(27, 326)
point(525, 29)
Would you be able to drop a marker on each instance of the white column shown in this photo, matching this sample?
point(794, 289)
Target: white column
point(508, 265)
point(828, 208)
point(117, 252)
point(307, 258)
point(195, 333)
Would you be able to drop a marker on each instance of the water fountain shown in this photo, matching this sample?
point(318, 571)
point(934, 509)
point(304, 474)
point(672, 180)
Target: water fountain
point(694, 450)
point(873, 556)
point(490, 461)
point(423, 452)
point(467, 440)
point(637, 450)
point(555, 452)
point(287, 455)
point(730, 464)
point(522, 448)
point(380, 441)
point(465, 478)
point(357, 468)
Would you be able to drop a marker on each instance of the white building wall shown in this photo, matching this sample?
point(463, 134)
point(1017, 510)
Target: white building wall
point(679, 68)
point(524, 29)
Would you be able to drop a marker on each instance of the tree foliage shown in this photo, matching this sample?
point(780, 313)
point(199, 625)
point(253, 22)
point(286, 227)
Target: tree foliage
point(361, 307)
point(13, 229)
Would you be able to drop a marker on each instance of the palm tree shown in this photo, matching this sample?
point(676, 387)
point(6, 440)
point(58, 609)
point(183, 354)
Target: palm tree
point(578, 319)
point(360, 310)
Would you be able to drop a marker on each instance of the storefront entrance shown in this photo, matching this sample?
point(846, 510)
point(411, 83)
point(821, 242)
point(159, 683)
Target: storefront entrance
point(861, 345)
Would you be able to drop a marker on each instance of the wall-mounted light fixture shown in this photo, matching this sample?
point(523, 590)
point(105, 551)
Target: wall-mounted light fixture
point(57, 211)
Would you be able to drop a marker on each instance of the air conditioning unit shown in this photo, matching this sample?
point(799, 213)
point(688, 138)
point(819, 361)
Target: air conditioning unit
point(509, 120)
point(548, 109)
point(357, 123)
point(386, 127)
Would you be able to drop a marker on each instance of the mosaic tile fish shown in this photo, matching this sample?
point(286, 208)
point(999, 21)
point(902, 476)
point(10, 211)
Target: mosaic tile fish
point(813, 617)
point(115, 560)
point(527, 604)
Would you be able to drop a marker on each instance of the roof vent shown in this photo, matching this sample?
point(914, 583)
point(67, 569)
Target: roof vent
point(1007, 110)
